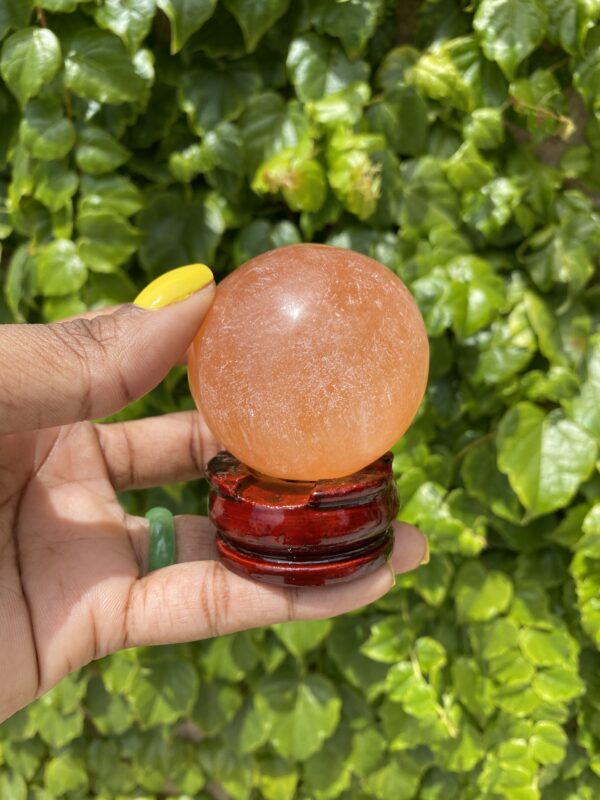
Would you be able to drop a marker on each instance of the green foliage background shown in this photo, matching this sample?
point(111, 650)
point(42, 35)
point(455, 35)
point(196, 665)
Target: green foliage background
point(458, 143)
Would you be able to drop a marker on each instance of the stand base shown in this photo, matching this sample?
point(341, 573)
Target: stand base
point(304, 572)
point(294, 533)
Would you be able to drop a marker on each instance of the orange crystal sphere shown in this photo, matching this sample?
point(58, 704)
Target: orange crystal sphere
point(311, 362)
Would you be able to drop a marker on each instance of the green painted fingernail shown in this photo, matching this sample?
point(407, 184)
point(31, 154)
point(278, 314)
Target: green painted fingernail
point(161, 538)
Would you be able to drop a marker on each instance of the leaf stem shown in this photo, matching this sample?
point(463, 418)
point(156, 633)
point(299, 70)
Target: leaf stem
point(41, 17)
point(475, 443)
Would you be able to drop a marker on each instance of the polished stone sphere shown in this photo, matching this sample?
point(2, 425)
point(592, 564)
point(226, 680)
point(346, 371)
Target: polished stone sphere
point(311, 362)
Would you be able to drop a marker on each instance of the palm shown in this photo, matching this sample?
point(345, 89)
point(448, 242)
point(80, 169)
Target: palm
point(68, 561)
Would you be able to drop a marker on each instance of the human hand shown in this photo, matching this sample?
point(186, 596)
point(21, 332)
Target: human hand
point(73, 564)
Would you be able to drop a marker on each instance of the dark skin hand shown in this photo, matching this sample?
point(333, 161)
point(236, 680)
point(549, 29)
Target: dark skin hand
point(73, 582)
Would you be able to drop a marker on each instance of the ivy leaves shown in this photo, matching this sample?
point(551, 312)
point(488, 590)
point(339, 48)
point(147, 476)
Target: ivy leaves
point(300, 715)
point(138, 136)
point(186, 17)
point(97, 67)
point(545, 456)
point(30, 58)
point(510, 30)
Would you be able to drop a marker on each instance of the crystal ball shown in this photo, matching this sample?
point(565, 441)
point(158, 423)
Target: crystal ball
point(311, 362)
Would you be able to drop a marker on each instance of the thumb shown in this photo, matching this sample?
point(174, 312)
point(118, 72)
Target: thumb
point(89, 368)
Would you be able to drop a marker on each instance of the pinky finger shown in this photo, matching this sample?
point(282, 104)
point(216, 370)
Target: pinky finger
point(198, 600)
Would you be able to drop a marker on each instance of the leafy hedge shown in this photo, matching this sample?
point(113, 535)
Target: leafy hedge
point(458, 143)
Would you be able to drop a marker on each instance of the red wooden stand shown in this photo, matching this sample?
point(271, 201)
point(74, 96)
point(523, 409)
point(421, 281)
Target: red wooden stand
point(298, 533)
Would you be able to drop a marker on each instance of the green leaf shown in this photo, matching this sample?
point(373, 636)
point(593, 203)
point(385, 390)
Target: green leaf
point(545, 457)
point(97, 67)
point(62, 6)
point(55, 184)
point(255, 17)
point(401, 116)
point(585, 409)
point(328, 773)
point(318, 68)
point(393, 69)
point(217, 704)
point(399, 777)
point(164, 692)
point(10, 122)
point(548, 648)
point(491, 208)
point(510, 30)
point(277, 778)
point(105, 240)
point(485, 128)
point(45, 130)
point(186, 164)
point(65, 773)
point(481, 594)
point(300, 178)
point(493, 639)
point(302, 637)
point(186, 17)
point(466, 294)
point(269, 126)
point(353, 176)
point(557, 684)
point(12, 785)
point(354, 24)
point(230, 657)
point(260, 236)
point(569, 22)
point(472, 689)
point(19, 280)
point(60, 270)
point(345, 106)
point(467, 169)
point(389, 641)
point(584, 569)
point(540, 100)
point(57, 727)
point(98, 152)
point(564, 253)
point(485, 482)
point(176, 232)
point(14, 14)
point(405, 684)
point(428, 199)
point(30, 59)
point(432, 581)
point(368, 748)
point(343, 646)
point(109, 193)
point(110, 713)
point(130, 20)
point(302, 715)
point(209, 97)
point(435, 75)
point(474, 295)
point(586, 79)
point(548, 745)
point(24, 758)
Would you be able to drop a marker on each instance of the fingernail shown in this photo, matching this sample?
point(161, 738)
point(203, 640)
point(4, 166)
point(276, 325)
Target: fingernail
point(173, 286)
point(425, 559)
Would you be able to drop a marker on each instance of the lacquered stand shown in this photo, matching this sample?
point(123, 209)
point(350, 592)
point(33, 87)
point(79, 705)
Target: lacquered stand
point(299, 533)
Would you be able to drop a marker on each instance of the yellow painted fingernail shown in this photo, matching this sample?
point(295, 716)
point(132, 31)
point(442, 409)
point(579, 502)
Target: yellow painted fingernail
point(173, 286)
point(425, 559)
